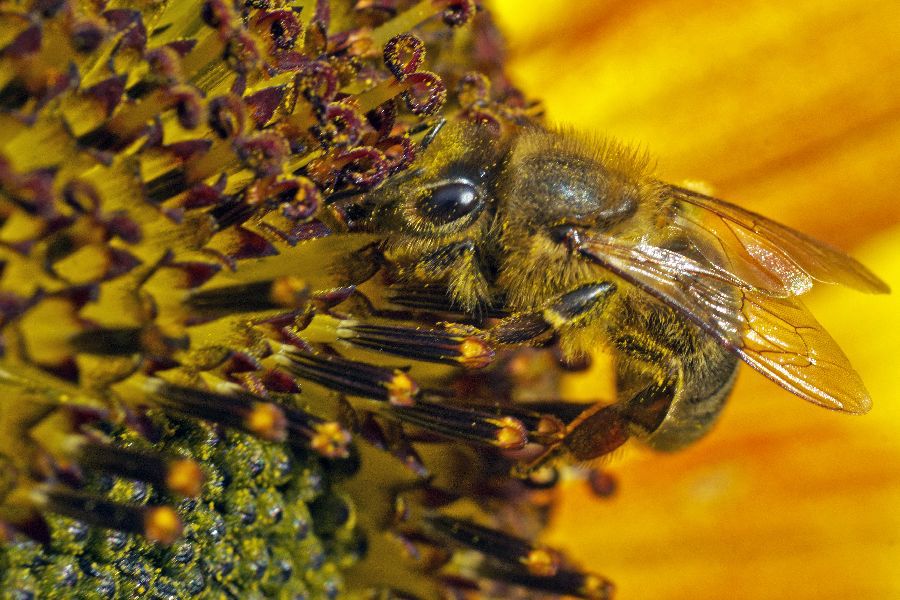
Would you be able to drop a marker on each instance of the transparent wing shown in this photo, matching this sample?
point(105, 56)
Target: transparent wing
point(751, 309)
point(759, 254)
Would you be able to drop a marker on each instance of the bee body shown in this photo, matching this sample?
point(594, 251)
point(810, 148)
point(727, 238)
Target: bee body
point(578, 244)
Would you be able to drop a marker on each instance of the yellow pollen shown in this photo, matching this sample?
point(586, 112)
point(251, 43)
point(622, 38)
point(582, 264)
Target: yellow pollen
point(184, 477)
point(542, 562)
point(266, 421)
point(511, 435)
point(401, 389)
point(288, 291)
point(161, 524)
point(330, 440)
point(475, 353)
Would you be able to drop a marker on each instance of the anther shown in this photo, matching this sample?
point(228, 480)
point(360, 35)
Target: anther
point(351, 377)
point(404, 54)
point(464, 424)
point(425, 93)
point(427, 345)
point(179, 475)
point(266, 421)
point(330, 440)
point(239, 409)
point(161, 524)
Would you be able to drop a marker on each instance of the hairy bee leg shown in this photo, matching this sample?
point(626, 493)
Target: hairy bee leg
point(596, 432)
point(570, 310)
point(458, 266)
point(579, 304)
point(445, 258)
point(600, 430)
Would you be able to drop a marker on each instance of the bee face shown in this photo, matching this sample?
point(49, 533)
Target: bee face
point(440, 216)
point(446, 190)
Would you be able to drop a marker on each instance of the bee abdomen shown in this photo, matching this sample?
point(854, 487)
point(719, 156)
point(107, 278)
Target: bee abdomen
point(701, 391)
point(657, 348)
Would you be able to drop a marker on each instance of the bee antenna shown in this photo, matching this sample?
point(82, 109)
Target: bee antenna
point(344, 194)
point(431, 133)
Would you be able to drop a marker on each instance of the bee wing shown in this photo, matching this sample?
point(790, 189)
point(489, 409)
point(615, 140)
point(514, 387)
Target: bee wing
point(776, 335)
point(760, 253)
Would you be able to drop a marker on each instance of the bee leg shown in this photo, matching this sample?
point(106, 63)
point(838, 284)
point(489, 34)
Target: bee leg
point(596, 432)
point(667, 414)
point(601, 429)
point(581, 303)
point(572, 310)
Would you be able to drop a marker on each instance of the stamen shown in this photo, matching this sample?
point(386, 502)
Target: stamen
point(428, 345)
point(566, 582)
point(156, 523)
point(498, 545)
point(517, 561)
point(434, 299)
point(519, 329)
point(125, 341)
point(465, 424)
point(179, 475)
point(239, 409)
point(541, 426)
point(351, 377)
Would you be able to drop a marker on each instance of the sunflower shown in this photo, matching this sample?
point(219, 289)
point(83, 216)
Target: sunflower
point(213, 388)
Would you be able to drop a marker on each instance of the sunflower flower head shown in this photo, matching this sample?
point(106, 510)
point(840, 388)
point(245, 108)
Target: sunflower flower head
point(198, 398)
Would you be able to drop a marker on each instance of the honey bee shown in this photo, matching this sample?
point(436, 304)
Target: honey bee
point(575, 240)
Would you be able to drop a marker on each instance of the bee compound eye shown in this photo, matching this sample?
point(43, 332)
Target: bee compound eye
point(450, 201)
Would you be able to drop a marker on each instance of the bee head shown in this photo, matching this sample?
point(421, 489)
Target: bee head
point(437, 219)
point(487, 216)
